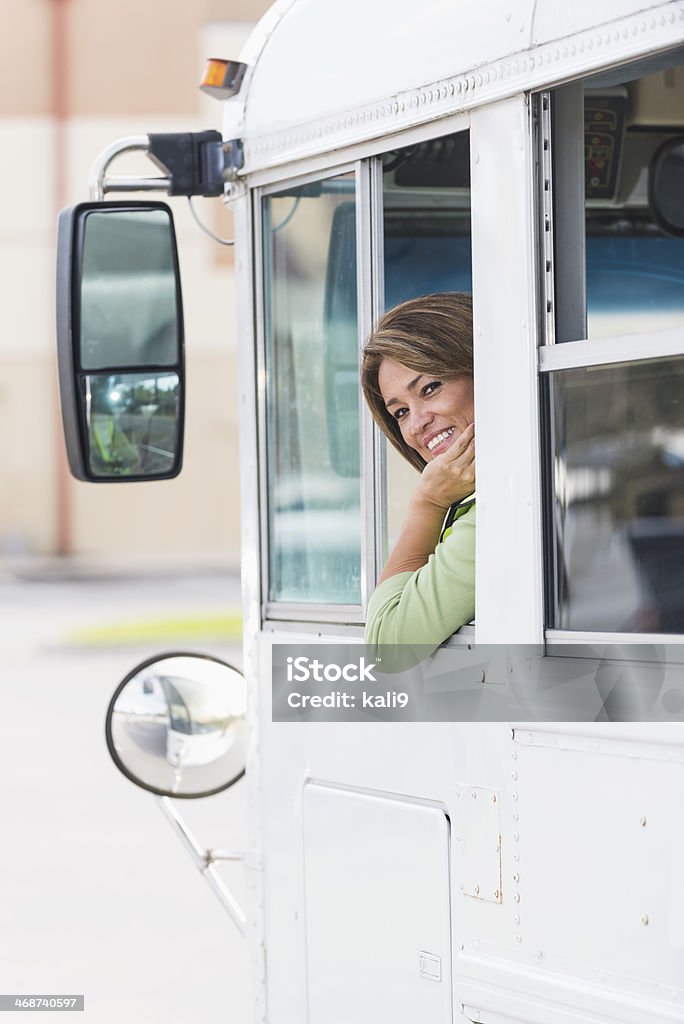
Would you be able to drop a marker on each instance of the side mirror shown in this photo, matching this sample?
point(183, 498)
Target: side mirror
point(120, 341)
point(176, 725)
point(666, 186)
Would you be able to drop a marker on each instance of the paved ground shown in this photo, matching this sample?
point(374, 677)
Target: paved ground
point(97, 896)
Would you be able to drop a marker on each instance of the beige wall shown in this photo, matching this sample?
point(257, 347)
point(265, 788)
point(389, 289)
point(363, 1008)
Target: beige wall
point(135, 56)
point(132, 70)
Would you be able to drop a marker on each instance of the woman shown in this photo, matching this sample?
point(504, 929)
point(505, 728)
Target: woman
point(417, 377)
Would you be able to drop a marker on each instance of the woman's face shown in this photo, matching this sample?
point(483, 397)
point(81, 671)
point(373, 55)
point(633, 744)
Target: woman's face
point(431, 412)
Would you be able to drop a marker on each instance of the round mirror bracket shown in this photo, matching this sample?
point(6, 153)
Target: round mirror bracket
point(205, 860)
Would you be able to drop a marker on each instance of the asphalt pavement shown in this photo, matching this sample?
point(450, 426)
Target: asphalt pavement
point(97, 895)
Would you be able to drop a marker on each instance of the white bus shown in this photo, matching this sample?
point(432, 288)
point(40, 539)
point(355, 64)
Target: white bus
point(484, 869)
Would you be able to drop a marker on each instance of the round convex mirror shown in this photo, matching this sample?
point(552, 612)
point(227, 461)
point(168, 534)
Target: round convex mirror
point(176, 725)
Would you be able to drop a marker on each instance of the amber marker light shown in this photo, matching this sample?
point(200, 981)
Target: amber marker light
point(222, 78)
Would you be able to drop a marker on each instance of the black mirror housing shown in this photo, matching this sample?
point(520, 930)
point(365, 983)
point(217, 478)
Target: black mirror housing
point(666, 186)
point(120, 341)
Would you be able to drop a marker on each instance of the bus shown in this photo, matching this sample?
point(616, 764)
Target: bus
point(516, 860)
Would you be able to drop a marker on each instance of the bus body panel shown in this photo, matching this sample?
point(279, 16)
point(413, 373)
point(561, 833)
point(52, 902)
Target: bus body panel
point(299, 100)
point(580, 825)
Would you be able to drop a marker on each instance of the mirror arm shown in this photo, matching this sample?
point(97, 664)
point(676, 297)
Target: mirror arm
point(99, 185)
point(215, 855)
point(195, 164)
point(204, 860)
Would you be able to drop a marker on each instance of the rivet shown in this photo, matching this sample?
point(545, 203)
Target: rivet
point(477, 890)
point(518, 938)
point(514, 775)
point(474, 794)
point(496, 894)
point(457, 838)
point(516, 836)
point(460, 885)
point(516, 919)
point(514, 755)
point(644, 919)
point(642, 822)
point(515, 815)
point(493, 798)
point(516, 897)
point(514, 796)
point(516, 858)
point(516, 877)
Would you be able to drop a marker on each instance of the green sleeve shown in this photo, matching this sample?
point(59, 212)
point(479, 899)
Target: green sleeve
point(428, 605)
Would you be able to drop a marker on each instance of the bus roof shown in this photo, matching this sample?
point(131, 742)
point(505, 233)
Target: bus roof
point(322, 74)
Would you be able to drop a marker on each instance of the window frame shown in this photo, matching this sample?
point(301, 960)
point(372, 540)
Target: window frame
point(305, 612)
point(554, 355)
point(365, 161)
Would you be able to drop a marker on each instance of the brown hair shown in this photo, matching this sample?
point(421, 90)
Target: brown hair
point(432, 334)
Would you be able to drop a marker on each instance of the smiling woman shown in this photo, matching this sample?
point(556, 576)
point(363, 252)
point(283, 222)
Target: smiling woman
point(417, 377)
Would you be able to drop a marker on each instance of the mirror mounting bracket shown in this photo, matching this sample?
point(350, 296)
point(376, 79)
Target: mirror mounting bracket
point(193, 164)
point(205, 861)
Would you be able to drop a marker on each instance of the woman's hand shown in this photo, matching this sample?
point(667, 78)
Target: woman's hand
point(449, 477)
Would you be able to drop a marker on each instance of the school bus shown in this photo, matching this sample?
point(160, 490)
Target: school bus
point(520, 859)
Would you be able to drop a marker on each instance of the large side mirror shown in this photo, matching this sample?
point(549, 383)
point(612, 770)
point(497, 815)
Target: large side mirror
point(120, 341)
point(666, 186)
point(176, 725)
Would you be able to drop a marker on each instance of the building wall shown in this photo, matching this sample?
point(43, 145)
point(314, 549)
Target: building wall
point(129, 73)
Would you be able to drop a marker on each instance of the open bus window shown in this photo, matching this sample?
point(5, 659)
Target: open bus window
point(427, 248)
point(312, 393)
point(615, 537)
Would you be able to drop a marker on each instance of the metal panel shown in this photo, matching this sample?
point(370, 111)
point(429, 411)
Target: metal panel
point(251, 593)
point(466, 63)
point(365, 224)
point(627, 348)
point(477, 843)
point(508, 553)
point(377, 909)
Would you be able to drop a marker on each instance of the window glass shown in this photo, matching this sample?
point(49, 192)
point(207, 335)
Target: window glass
point(312, 393)
point(426, 219)
point(634, 270)
point(618, 520)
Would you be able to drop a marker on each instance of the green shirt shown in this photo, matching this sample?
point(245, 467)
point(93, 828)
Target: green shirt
point(428, 605)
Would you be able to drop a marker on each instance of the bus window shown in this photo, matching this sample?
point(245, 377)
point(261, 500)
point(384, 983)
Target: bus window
point(615, 542)
point(312, 393)
point(619, 484)
point(634, 271)
point(426, 244)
